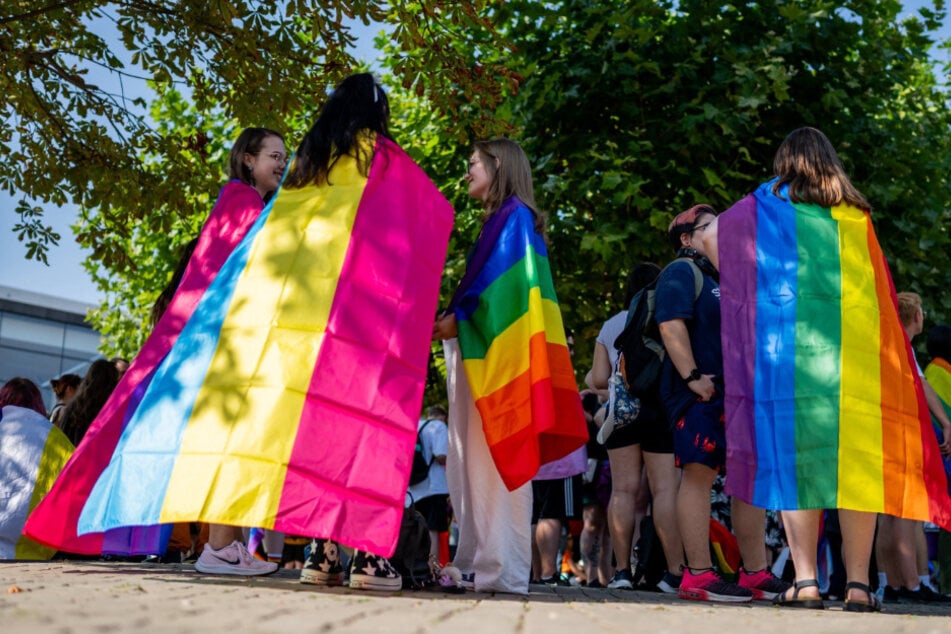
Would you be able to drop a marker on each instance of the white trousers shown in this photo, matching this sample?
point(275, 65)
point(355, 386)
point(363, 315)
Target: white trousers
point(495, 541)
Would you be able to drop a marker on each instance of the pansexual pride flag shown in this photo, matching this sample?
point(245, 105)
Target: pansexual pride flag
point(32, 453)
point(514, 348)
point(290, 400)
point(824, 406)
point(54, 521)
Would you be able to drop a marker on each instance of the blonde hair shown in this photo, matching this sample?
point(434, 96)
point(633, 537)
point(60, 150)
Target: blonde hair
point(908, 306)
point(510, 174)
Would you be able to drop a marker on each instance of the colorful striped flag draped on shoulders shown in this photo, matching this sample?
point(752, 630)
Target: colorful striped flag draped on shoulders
point(290, 399)
point(824, 406)
point(32, 453)
point(55, 520)
point(514, 348)
point(938, 373)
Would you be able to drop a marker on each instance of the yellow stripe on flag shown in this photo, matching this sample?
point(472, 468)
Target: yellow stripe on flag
point(273, 330)
point(508, 356)
point(860, 413)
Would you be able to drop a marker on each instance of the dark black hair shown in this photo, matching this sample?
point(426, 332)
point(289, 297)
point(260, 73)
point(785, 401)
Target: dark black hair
point(639, 277)
point(358, 103)
point(939, 342)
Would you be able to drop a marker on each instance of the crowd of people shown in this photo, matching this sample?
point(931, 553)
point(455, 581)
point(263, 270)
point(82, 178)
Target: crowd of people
point(527, 471)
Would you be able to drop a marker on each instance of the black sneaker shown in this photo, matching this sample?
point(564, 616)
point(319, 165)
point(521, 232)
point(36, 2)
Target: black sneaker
point(322, 567)
point(890, 595)
point(669, 583)
point(372, 572)
point(923, 594)
point(554, 580)
point(622, 580)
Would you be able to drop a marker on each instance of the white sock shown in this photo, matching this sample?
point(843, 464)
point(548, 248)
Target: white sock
point(926, 581)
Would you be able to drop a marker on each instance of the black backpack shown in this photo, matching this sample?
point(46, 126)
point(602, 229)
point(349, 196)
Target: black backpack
point(640, 347)
point(420, 469)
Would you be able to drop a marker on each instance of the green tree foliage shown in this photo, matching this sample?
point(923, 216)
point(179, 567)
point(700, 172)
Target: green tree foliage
point(633, 110)
point(144, 170)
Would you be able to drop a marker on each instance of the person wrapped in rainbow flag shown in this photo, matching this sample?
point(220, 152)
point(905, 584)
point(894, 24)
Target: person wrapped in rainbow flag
point(824, 406)
point(513, 400)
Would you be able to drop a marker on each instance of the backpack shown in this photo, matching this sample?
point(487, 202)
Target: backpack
point(420, 468)
point(640, 347)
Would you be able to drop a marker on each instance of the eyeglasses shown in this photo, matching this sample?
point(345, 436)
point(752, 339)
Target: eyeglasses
point(277, 157)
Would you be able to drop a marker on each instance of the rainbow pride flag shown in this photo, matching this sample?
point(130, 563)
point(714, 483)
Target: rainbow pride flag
point(938, 373)
point(32, 454)
point(55, 520)
point(824, 406)
point(514, 349)
point(290, 400)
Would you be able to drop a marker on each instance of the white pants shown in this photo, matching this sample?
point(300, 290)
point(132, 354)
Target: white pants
point(495, 524)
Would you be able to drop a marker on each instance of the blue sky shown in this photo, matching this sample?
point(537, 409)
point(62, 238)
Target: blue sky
point(66, 278)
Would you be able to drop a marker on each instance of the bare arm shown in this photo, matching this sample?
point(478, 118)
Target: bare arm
point(710, 248)
point(600, 368)
point(677, 341)
point(937, 408)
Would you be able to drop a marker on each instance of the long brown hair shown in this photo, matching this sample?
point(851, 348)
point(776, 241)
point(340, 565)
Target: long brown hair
point(809, 165)
point(512, 176)
point(250, 141)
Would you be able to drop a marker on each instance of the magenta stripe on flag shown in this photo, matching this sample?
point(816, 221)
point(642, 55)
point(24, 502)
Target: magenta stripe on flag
point(364, 399)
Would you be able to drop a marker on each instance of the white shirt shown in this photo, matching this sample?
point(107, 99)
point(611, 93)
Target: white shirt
point(609, 332)
point(435, 441)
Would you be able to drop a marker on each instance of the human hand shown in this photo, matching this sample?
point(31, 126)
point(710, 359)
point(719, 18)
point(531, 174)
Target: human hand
point(945, 446)
point(445, 327)
point(703, 387)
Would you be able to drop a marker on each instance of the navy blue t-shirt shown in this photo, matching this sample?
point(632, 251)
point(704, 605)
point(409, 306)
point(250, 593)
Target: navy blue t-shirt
point(674, 300)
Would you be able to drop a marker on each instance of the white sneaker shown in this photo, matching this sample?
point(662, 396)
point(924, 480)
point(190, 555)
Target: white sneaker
point(233, 559)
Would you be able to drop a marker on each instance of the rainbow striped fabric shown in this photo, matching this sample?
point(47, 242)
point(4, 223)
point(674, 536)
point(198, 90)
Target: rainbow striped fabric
point(55, 520)
point(938, 374)
point(290, 399)
point(824, 406)
point(514, 348)
point(32, 454)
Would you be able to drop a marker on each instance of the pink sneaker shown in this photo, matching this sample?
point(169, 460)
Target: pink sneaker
point(233, 559)
point(708, 586)
point(763, 584)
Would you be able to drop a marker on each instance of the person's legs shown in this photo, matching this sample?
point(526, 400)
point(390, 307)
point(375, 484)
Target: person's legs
point(593, 544)
point(693, 514)
point(625, 480)
point(663, 477)
point(858, 533)
point(547, 538)
point(749, 527)
point(802, 534)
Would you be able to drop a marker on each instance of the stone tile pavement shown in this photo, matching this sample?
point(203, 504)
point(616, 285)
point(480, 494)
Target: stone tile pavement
point(63, 597)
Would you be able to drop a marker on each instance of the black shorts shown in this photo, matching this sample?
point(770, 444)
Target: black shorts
point(651, 430)
point(557, 499)
point(435, 508)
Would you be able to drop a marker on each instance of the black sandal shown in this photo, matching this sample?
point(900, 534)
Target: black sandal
point(872, 605)
point(794, 601)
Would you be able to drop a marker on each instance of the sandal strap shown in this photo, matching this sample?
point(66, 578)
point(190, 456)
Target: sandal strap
point(807, 583)
point(858, 585)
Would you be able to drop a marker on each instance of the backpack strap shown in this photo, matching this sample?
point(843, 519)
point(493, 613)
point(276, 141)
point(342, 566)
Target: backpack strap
point(697, 278)
point(419, 435)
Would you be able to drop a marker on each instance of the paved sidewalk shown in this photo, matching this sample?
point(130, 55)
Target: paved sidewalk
point(40, 597)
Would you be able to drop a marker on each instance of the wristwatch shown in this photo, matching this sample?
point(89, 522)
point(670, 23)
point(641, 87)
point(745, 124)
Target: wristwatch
point(693, 376)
